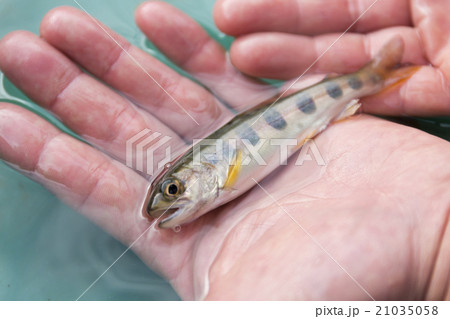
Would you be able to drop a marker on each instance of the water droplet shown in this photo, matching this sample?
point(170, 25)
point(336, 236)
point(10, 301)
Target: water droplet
point(177, 229)
point(168, 165)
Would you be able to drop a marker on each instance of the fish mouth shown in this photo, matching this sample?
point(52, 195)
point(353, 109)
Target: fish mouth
point(168, 217)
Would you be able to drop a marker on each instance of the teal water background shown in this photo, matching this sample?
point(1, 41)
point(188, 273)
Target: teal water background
point(47, 250)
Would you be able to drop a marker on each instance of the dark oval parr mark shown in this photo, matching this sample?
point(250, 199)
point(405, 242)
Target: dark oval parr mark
point(249, 134)
point(355, 82)
point(275, 119)
point(375, 78)
point(306, 105)
point(333, 90)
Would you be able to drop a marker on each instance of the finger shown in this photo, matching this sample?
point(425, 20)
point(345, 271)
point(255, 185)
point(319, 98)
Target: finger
point(89, 108)
point(105, 191)
point(148, 82)
point(236, 17)
point(427, 93)
point(285, 56)
point(424, 94)
point(197, 53)
point(102, 189)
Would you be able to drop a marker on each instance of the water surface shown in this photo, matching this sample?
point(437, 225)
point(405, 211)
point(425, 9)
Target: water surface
point(47, 250)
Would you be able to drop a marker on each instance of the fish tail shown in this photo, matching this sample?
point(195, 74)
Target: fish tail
point(386, 67)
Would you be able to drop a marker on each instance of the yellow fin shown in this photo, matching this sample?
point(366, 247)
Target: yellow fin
point(234, 170)
point(397, 77)
point(349, 110)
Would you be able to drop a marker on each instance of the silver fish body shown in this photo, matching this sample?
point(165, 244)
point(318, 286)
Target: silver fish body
point(227, 163)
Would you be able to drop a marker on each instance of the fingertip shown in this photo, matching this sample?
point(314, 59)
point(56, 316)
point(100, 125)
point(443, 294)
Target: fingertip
point(221, 19)
point(62, 23)
point(22, 135)
point(142, 13)
point(243, 54)
point(154, 19)
point(250, 55)
point(13, 38)
point(237, 17)
point(51, 20)
point(17, 41)
point(193, 49)
point(34, 66)
point(149, 13)
point(5, 42)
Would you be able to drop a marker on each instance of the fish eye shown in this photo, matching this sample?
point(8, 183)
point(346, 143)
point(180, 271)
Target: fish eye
point(171, 188)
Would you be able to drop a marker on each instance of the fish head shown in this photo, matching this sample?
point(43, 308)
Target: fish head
point(182, 194)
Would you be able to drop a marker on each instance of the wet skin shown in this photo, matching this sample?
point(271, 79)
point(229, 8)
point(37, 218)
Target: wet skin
point(380, 207)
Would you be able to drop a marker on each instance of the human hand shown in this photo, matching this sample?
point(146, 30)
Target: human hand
point(250, 248)
point(381, 175)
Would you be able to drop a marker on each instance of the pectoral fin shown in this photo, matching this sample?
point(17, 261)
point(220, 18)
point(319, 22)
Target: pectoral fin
point(233, 171)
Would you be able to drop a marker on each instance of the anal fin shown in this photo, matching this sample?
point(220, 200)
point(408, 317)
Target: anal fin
point(349, 110)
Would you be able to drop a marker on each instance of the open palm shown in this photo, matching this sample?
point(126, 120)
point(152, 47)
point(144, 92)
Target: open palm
point(370, 223)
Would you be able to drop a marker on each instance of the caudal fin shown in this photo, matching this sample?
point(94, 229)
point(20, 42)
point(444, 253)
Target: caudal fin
point(388, 57)
point(386, 64)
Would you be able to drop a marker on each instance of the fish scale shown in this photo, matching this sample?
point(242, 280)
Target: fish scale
point(225, 164)
point(298, 117)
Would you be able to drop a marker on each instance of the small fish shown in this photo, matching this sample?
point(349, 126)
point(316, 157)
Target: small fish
point(222, 166)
